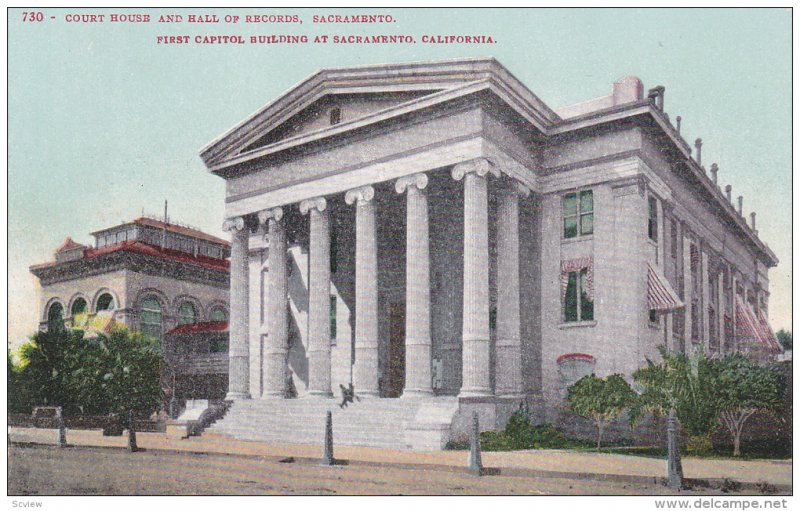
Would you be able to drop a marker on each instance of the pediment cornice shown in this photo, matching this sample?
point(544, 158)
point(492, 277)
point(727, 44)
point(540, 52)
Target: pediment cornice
point(446, 80)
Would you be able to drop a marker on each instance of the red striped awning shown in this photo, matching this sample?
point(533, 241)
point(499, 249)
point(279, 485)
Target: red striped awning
point(660, 295)
point(755, 326)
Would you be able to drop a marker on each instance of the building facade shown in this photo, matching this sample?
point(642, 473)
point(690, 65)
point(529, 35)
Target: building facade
point(435, 232)
point(148, 275)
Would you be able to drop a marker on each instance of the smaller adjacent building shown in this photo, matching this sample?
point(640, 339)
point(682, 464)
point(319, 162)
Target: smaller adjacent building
point(166, 280)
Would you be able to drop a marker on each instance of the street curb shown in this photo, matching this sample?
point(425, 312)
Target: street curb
point(490, 471)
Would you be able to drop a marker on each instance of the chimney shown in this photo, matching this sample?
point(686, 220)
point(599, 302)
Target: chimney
point(714, 170)
point(678, 120)
point(753, 221)
point(728, 192)
point(698, 144)
point(627, 90)
point(741, 202)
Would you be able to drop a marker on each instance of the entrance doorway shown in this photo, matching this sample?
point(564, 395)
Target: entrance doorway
point(397, 350)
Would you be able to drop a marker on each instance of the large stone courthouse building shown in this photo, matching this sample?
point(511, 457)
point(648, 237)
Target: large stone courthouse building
point(436, 235)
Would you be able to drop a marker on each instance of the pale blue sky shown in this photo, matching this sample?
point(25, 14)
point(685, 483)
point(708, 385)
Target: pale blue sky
point(103, 122)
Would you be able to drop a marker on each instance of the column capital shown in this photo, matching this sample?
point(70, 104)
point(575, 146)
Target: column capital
point(360, 194)
point(318, 203)
point(234, 224)
point(266, 214)
point(515, 188)
point(419, 181)
point(480, 166)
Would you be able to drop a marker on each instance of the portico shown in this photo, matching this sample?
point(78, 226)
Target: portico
point(486, 202)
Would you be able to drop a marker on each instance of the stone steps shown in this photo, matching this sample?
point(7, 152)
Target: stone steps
point(373, 422)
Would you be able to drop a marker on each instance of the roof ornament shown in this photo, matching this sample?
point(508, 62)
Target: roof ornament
point(678, 121)
point(714, 170)
point(698, 144)
point(656, 95)
point(741, 203)
point(753, 222)
point(728, 192)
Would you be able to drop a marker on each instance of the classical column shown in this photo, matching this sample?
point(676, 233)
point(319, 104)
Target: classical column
point(476, 350)
point(319, 301)
point(239, 351)
point(705, 299)
point(365, 372)
point(418, 288)
point(720, 311)
point(735, 330)
point(508, 359)
point(688, 291)
point(277, 346)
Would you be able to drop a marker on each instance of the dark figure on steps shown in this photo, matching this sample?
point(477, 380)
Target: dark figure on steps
point(348, 394)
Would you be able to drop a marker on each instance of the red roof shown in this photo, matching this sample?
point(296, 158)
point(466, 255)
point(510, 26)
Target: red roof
point(69, 244)
point(179, 229)
point(196, 328)
point(166, 253)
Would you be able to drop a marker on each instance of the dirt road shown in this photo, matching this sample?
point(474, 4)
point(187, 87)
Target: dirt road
point(45, 470)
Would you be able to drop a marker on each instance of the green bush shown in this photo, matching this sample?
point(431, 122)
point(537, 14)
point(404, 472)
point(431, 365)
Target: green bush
point(520, 434)
point(113, 372)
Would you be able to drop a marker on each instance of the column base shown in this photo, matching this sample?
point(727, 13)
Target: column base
point(232, 396)
point(368, 393)
point(319, 394)
point(476, 393)
point(512, 395)
point(272, 394)
point(416, 393)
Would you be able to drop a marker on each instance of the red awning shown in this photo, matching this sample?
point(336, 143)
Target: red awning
point(660, 295)
point(755, 326)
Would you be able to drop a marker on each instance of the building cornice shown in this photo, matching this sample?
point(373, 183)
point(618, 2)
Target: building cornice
point(119, 261)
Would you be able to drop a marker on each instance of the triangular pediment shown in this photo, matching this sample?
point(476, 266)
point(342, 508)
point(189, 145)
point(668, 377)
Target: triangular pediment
point(364, 95)
point(333, 109)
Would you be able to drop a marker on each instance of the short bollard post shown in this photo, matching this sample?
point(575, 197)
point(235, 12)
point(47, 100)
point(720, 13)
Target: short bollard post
point(62, 429)
point(475, 464)
point(674, 467)
point(327, 456)
point(132, 447)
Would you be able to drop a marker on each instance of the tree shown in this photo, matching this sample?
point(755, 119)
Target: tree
point(740, 389)
point(785, 338)
point(112, 372)
point(679, 383)
point(600, 399)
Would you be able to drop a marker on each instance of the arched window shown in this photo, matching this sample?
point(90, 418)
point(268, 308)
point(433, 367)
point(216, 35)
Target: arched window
point(55, 317)
point(218, 314)
point(78, 307)
point(150, 319)
point(187, 314)
point(105, 302)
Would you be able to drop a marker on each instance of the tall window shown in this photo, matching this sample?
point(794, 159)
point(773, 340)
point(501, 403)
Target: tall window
point(150, 320)
point(78, 307)
point(55, 317)
point(652, 219)
point(673, 239)
point(218, 314)
point(187, 315)
point(105, 302)
point(333, 319)
point(578, 300)
point(219, 345)
point(578, 211)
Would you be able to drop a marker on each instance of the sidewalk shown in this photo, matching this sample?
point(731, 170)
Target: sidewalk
point(535, 462)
